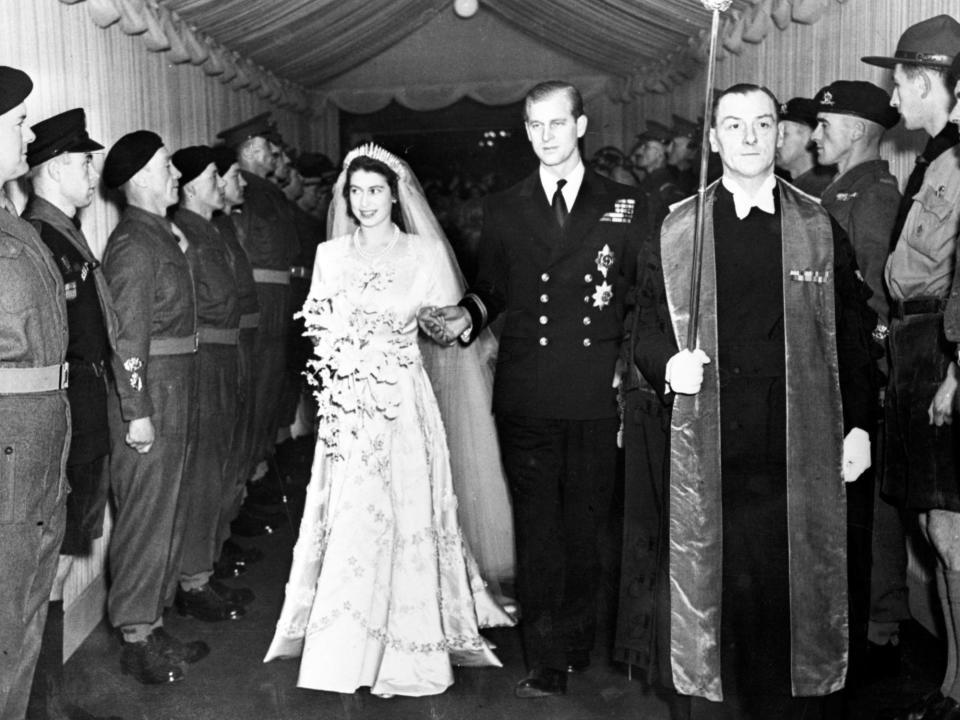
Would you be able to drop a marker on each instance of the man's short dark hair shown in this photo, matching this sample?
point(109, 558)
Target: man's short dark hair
point(743, 89)
point(912, 72)
point(545, 89)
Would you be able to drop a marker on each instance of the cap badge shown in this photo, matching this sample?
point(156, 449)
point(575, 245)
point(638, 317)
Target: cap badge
point(827, 98)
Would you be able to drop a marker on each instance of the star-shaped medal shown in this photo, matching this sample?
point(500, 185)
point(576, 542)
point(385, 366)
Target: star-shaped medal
point(602, 295)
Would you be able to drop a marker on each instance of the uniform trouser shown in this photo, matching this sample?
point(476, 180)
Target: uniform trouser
point(561, 475)
point(147, 534)
point(34, 440)
point(239, 465)
point(299, 350)
point(270, 364)
point(208, 487)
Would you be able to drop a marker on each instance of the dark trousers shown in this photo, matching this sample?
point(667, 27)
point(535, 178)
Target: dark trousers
point(208, 487)
point(561, 475)
point(270, 365)
point(240, 458)
point(33, 454)
point(89, 488)
point(147, 536)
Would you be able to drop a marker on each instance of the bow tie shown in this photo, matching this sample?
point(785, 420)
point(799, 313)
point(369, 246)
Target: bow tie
point(744, 203)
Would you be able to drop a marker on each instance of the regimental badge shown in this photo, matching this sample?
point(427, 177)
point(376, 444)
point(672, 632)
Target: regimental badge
point(85, 270)
point(843, 197)
point(810, 276)
point(602, 295)
point(623, 210)
point(827, 98)
point(605, 259)
point(133, 365)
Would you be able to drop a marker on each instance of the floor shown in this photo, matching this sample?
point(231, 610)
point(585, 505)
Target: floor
point(234, 683)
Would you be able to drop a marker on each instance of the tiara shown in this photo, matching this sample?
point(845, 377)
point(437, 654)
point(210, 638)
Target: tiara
point(375, 152)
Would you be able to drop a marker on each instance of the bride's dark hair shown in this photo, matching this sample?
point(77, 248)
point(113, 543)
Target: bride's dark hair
point(369, 164)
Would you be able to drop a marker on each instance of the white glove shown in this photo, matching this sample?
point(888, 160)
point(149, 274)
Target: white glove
point(856, 454)
point(685, 371)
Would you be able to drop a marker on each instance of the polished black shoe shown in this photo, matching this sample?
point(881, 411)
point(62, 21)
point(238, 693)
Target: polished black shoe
point(542, 682)
point(227, 570)
point(248, 526)
point(148, 664)
point(930, 707)
point(207, 605)
point(237, 596)
point(233, 552)
point(178, 651)
point(578, 661)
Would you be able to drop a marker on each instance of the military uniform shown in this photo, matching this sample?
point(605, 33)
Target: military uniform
point(267, 229)
point(240, 460)
point(92, 324)
point(34, 442)
point(208, 486)
point(562, 295)
point(155, 374)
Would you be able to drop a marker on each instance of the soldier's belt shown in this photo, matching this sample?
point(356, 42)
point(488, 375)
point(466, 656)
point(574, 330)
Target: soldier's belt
point(250, 320)
point(917, 306)
point(19, 381)
point(299, 271)
point(273, 277)
point(185, 345)
point(219, 336)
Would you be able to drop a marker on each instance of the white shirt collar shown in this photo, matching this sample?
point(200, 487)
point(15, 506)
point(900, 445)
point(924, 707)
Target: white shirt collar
point(744, 201)
point(569, 191)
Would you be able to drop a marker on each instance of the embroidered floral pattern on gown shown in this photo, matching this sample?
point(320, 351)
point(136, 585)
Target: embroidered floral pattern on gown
point(383, 591)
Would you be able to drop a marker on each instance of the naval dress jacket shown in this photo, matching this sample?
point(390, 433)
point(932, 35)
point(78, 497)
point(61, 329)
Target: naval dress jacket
point(561, 295)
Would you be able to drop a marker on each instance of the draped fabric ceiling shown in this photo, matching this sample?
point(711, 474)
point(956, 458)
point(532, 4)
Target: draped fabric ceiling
point(283, 47)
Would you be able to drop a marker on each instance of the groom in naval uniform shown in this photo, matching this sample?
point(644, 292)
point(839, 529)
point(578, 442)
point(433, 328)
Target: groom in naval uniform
point(557, 257)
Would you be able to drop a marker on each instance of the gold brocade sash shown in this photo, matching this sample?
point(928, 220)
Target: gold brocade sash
point(816, 502)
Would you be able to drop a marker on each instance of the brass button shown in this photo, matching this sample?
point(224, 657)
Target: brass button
point(586, 342)
point(544, 298)
point(587, 321)
point(8, 450)
point(543, 319)
point(586, 298)
point(545, 277)
point(543, 341)
point(588, 278)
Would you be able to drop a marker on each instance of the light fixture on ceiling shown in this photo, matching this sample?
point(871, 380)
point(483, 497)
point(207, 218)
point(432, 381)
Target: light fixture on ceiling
point(466, 8)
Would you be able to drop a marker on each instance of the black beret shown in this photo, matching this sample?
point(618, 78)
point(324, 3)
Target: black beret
point(799, 110)
point(192, 161)
point(63, 133)
point(128, 155)
point(934, 43)
point(15, 85)
point(259, 126)
point(224, 157)
point(859, 98)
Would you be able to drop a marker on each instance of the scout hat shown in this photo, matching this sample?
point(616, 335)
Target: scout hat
point(859, 98)
point(799, 110)
point(933, 42)
point(15, 85)
point(128, 155)
point(63, 133)
point(192, 161)
point(259, 126)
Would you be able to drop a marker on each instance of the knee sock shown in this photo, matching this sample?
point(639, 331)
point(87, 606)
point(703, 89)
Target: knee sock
point(951, 601)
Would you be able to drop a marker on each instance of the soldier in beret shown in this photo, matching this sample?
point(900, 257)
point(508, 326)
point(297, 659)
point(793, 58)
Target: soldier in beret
point(921, 466)
point(852, 116)
point(205, 485)
point(233, 557)
point(152, 420)
point(65, 181)
point(267, 229)
point(796, 156)
point(34, 415)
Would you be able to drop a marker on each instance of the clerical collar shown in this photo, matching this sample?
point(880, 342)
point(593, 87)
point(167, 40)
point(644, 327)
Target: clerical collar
point(743, 201)
point(574, 180)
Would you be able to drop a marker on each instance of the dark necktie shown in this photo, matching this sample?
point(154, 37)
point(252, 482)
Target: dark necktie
point(559, 205)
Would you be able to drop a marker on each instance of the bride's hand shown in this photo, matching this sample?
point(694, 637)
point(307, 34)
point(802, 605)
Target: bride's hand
point(432, 325)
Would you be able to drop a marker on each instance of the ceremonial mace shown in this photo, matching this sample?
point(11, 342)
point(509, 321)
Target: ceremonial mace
point(717, 6)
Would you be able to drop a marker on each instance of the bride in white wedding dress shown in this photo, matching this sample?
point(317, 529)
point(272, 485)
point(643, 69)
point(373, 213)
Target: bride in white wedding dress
point(383, 589)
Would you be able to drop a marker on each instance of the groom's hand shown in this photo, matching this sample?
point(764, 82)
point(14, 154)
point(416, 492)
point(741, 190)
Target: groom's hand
point(444, 325)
